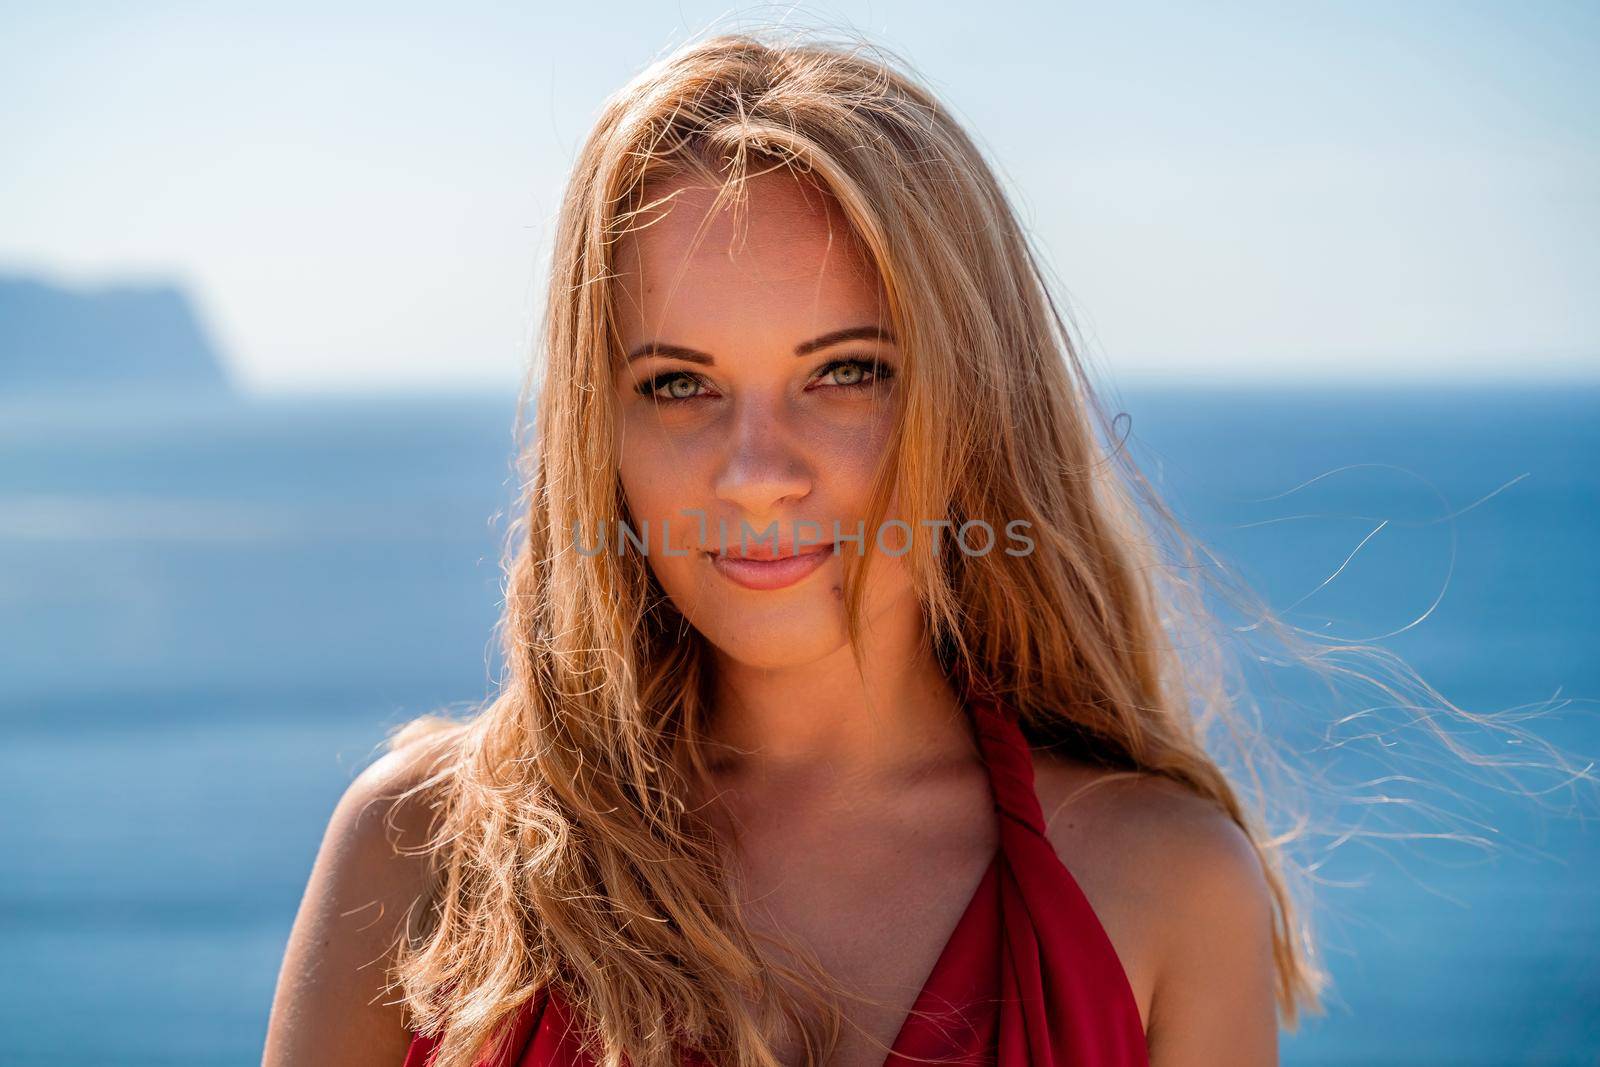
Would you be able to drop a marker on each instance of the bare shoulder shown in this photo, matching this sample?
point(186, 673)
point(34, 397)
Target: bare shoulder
point(375, 840)
point(372, 874)
point(1180, 890)
point(383, 819)
point(1138, 818)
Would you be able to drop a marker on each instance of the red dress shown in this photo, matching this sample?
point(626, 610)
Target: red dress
point(1028, 978)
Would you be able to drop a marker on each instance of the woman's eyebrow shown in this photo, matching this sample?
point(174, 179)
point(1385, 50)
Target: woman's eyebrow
point(854, 333)
point(694, 355)
point(661, 348)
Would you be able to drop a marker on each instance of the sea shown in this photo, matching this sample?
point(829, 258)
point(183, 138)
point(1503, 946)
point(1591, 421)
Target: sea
point(214, 608)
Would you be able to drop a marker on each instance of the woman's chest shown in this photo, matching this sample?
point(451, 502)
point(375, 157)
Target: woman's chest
point(876, 905)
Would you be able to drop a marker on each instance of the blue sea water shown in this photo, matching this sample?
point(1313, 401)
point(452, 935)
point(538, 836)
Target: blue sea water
point(212, 610)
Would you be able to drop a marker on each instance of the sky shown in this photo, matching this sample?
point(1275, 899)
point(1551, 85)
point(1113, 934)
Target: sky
point(361, 196)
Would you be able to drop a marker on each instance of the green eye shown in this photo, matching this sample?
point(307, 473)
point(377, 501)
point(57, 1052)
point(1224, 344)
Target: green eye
point(681, 388)
point(678, 385)
point(855, 373)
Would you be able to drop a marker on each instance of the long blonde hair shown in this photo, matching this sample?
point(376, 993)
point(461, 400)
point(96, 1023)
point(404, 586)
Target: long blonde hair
point(565, 853)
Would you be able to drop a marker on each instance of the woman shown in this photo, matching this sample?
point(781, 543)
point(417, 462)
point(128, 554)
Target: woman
point(911, 771)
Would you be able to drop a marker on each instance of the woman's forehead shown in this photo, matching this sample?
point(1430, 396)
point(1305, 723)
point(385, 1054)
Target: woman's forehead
point(782, 226)
point(784, 241)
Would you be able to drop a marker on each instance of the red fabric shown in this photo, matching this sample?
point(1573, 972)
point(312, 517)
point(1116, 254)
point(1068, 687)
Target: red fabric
point(1028, 978)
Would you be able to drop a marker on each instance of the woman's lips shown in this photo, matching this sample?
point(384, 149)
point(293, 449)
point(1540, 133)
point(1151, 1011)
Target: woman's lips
point(771, 573)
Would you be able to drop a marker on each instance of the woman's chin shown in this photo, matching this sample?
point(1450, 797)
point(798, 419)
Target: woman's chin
point(774, 645)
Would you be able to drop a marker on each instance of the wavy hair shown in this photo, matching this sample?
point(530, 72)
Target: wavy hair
point(564, 852)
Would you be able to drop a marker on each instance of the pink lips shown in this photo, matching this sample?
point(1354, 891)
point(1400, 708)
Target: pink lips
point(774, 571)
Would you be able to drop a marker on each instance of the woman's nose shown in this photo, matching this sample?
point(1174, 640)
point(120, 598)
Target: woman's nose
point(763, 465)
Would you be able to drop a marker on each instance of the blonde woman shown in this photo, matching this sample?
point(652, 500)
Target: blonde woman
point(845, 721)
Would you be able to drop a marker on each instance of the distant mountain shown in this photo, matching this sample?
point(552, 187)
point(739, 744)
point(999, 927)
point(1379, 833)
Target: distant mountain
point(115, 336)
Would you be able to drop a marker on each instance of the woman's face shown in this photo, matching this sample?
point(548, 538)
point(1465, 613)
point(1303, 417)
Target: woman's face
point(756, 386)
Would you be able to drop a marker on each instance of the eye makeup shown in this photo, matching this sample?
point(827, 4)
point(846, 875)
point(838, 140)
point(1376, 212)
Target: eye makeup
point(870, 371)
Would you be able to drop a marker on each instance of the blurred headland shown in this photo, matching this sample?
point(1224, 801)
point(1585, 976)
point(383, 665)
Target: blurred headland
point(146, 335)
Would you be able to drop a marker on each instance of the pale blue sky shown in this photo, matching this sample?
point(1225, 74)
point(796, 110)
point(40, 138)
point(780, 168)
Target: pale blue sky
point(361, 195)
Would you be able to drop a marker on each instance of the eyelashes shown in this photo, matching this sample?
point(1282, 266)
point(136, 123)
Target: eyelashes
point(863, 373)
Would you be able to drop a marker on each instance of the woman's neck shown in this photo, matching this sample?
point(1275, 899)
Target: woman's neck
point(829, 719)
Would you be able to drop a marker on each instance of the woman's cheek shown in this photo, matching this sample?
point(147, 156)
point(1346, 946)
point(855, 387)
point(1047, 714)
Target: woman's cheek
point(657, 472)
point(659, 481)
point(847, 454)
